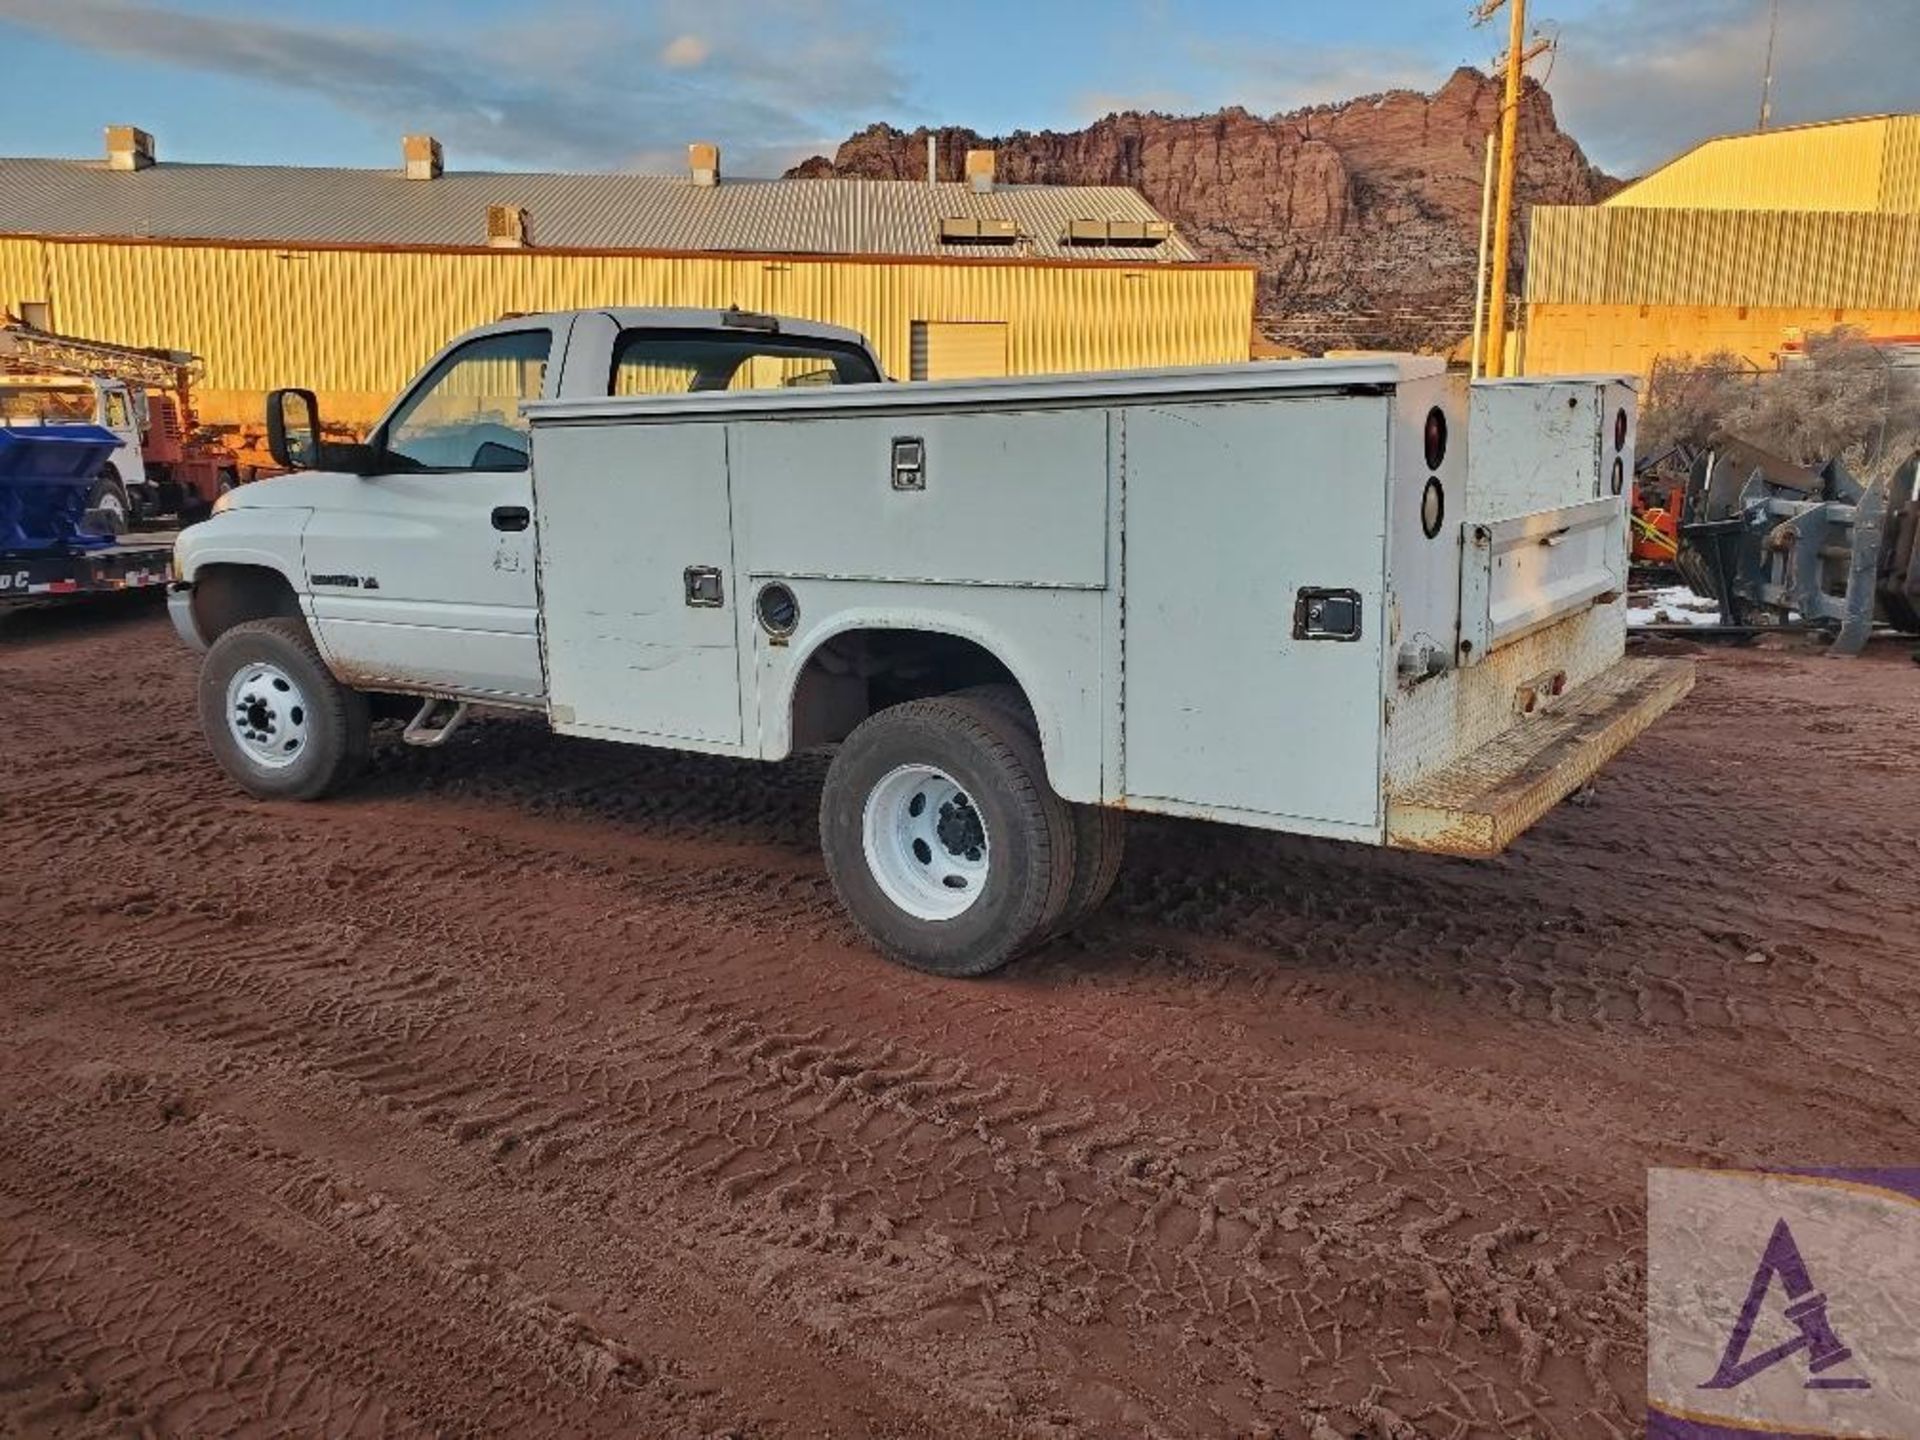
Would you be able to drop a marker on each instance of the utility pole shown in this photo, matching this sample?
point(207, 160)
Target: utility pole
point(1480, 265)
point(1517, 56)
point(1766, 85)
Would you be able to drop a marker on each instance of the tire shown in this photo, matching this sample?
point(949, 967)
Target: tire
point(277, 720)
point(982, 768)
point(1100, 845)
point(108, 508)
point(1099, 831)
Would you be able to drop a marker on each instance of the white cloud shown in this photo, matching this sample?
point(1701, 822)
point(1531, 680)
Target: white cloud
point(1269, 79)
point(685, 52)
point(1638, 81)
point(1094, 105)
point(583, 86)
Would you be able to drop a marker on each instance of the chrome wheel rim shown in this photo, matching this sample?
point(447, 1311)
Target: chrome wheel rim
point(267, 715)
point(926, 844)
point(108, 514)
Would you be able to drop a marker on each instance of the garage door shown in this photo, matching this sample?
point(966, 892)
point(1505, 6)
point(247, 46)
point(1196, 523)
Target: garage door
point(959, 349)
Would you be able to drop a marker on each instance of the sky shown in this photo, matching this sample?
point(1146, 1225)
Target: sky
point(626, 84)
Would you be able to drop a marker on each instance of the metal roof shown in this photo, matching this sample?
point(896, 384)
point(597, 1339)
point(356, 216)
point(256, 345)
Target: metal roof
point(292, 205)
point(1865, 163)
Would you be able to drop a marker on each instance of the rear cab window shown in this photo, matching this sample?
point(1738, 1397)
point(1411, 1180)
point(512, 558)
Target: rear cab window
point(685, 362)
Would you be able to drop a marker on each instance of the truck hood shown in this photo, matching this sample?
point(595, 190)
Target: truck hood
point(301, 490)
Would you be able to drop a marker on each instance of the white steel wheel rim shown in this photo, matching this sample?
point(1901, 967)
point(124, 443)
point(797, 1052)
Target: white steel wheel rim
point(267, 715)
point(926, 844)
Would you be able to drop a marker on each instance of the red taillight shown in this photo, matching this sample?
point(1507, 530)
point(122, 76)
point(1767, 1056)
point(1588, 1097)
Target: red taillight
point(1435, 438)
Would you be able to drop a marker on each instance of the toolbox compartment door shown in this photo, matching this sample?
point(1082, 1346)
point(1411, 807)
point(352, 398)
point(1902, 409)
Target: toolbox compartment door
point(1234, 708)
point(637, 607)
point(1523, 574)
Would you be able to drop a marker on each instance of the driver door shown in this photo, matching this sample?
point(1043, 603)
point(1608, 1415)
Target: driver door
point(423, 577)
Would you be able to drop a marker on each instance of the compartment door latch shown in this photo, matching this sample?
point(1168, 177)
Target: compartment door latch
point(1323, 614)
point(909, 463)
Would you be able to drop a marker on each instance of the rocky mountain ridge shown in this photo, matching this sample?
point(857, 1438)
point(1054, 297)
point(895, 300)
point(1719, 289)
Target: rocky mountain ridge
point(1362, 217)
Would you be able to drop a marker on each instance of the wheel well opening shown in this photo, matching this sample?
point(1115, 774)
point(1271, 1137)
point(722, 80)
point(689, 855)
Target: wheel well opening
point(855, 674)
point(228, 595)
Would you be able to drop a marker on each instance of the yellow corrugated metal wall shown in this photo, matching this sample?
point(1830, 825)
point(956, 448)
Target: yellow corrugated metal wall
point(1837, 166)
point(1627, 339)
point(1900, 175)
point(356, 324)
point(1614, 289)
point(966, 349)
point(1598, 256)
point(1741, 244)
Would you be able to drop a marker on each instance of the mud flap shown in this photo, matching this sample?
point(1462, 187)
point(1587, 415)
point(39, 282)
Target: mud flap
point(1478, 805)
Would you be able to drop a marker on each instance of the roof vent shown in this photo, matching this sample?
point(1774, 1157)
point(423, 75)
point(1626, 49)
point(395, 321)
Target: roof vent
point(703, 163)
point(1133, 233)
point(422, 155)
point(980, 166)
point(128, 148)
point(507, 227)
point(978, 230)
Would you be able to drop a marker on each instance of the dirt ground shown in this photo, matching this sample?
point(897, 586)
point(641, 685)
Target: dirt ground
point(539, 1088)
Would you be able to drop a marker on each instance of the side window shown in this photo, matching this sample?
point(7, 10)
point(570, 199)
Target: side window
point(118, 417)
point(466, 414)
point(666, 362)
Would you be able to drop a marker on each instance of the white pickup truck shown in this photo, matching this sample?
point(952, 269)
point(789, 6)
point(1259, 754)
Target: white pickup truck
point(1345, 598)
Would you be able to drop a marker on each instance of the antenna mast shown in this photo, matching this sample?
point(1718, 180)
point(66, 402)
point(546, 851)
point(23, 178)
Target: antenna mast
point(1766, 85)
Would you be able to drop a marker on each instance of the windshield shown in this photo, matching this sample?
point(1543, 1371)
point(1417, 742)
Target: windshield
point(46, 405)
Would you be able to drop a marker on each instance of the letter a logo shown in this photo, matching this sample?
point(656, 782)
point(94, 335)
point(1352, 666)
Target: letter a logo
point(1806, 1310)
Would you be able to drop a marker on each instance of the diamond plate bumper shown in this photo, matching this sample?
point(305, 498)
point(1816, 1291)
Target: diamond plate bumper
point(1478, 805)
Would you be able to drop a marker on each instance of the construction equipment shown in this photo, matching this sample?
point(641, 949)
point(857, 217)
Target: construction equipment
point(1776, 542)
point(1658, 497)
point(47, 474)
point(149, 392)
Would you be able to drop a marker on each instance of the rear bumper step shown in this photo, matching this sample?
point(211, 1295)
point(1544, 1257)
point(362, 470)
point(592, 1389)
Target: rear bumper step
point(1481, 803)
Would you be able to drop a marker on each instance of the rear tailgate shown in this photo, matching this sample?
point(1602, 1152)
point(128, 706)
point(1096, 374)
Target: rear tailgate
point(1539, 695)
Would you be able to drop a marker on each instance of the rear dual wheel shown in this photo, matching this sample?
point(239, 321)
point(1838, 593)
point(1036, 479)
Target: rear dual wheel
point(945, 842)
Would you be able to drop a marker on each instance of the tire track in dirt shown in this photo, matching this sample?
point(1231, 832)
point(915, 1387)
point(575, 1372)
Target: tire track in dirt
point(1135, 1231)
point(1266, 1144)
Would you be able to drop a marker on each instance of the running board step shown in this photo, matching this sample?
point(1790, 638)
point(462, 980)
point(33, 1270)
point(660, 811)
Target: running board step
point(438, 718)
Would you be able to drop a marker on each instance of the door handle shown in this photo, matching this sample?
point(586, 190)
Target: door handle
point(704, 588)
point(511, 517)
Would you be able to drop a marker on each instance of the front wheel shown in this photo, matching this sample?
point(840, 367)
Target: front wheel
point(942, 837)
point(108, 509)
point(277, 720)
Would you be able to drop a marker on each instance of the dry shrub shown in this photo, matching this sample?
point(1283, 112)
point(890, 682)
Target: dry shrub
point(1844, 398)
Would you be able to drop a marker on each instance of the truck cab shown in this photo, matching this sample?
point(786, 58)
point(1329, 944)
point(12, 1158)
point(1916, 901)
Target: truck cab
point(1349, 598)
point(414, 564)
point(122, 488)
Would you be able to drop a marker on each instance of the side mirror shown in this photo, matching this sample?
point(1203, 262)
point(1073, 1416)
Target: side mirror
point(293, 437)
point(293, 429)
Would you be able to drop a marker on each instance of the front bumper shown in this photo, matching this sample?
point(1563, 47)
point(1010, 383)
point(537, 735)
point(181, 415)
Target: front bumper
point(180, 611)
point(1480, 804)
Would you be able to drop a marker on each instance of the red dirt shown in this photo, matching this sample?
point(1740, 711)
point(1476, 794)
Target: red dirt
point(538, 1087)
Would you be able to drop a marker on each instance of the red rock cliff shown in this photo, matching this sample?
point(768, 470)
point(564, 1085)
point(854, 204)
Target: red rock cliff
point(1362, 217)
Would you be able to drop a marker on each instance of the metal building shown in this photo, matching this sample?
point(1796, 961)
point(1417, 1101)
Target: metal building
point(1746, 243)
point(347, 280)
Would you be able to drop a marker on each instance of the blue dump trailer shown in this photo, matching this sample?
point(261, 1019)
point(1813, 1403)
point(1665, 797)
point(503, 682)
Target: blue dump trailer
point(46, 473)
